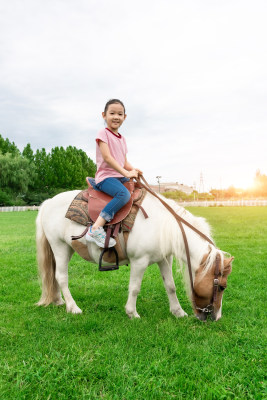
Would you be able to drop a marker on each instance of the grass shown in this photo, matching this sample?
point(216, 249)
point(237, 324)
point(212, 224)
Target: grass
point(101, 354)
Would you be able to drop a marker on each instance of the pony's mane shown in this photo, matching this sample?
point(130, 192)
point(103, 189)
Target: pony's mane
point(169, 234)
point(199, 223)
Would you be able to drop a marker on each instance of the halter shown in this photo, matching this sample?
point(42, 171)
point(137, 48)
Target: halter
point(210, 308)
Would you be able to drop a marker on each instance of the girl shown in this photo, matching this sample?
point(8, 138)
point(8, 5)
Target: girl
point(113, 169)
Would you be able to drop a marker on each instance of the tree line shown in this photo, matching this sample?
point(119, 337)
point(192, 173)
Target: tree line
point(30, 177)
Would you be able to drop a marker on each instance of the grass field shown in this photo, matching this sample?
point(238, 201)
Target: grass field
point(101, 354)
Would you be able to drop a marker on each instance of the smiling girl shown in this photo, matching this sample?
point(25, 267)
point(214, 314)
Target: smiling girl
point(113, 169)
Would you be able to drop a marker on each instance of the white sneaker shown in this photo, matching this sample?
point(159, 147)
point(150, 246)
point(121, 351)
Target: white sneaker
point(99, 236)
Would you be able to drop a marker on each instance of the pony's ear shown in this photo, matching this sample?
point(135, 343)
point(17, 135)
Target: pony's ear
point(227, 263)
point(204, 259)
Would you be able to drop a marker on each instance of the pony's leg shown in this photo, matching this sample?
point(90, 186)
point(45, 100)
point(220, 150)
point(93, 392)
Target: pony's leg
point(63, 255)
point(165, 267)
point(137, 271)
point(58, 301)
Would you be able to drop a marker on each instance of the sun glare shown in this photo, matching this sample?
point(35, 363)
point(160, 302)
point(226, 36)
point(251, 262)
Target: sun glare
point(244, 184)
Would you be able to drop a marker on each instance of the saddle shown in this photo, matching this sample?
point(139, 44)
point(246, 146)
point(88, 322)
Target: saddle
point(97, 200)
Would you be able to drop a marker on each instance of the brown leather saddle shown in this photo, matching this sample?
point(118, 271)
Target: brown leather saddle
point(97, 200)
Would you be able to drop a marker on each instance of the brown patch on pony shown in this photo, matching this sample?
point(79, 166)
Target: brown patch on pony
point(203, 284)
point(81, 249)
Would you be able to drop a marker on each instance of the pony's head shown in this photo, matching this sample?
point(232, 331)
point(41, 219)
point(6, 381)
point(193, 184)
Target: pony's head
point(209, 285)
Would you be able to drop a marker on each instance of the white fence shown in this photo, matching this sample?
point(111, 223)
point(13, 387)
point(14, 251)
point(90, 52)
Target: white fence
point(226, 203)
point(15, 208)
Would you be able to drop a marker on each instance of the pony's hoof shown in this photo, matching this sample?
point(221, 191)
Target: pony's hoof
point(133, 315)
point(180, 313)
point(74, 309)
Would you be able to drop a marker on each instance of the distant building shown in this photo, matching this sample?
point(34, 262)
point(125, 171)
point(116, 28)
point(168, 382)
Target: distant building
point(172, 187)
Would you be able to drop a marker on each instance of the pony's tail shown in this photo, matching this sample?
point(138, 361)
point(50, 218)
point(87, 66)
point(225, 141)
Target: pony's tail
point(46, 264)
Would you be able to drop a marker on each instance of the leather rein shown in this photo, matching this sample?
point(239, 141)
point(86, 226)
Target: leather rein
point(181, 221)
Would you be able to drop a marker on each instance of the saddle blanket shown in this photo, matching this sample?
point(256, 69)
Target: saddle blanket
point(78, 211)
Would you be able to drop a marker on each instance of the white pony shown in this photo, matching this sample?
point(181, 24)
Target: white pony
point(153, 240)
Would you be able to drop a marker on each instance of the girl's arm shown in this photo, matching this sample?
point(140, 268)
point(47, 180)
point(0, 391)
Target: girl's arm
point(132, 173)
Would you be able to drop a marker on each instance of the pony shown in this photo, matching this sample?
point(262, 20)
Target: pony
point(156, 239)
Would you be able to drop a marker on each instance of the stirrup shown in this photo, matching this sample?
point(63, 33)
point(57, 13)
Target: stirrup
point(108, 267)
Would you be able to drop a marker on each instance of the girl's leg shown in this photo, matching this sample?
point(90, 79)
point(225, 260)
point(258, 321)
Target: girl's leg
point(121, 196)
point(100, 222)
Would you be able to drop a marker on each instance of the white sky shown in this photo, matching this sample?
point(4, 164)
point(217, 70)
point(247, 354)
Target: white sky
point(192, 75)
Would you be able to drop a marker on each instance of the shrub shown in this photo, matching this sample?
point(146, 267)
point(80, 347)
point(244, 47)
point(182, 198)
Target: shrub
point(5, 199)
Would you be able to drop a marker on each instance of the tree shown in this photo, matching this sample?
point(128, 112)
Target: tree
point(69, 168)
point(216, 193)
point(41, 162)
point(7, 147)
point(16, 173)
point(230, 192)
point(41, 175)
point(28, 153)
point(5, 199)
point(260, 184)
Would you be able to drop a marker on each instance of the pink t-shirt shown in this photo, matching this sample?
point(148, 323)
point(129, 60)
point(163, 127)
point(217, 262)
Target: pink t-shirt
point(118, 149)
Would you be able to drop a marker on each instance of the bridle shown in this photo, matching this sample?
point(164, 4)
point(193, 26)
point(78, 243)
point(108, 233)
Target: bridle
point(211, 307)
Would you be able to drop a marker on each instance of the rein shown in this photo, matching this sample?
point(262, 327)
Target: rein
point(180, 222)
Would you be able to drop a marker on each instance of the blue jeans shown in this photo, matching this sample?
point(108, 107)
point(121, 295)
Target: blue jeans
point(115, 188)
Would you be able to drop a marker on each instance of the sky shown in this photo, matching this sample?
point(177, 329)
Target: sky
point(191, 73)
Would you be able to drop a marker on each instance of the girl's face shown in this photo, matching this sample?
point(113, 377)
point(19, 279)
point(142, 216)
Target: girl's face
point(114, 116)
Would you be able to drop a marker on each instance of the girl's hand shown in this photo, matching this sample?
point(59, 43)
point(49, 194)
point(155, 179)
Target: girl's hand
point(139, 171)
point(132, 174)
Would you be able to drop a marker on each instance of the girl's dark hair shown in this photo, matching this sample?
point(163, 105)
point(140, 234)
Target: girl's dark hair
point(114, 101)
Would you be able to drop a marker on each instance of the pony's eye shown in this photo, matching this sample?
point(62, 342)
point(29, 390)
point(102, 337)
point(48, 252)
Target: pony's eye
point(221, 288)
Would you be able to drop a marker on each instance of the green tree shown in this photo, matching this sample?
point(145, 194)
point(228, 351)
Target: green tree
point(41, 175)
point(68, 168)
point(28, 153)
point(7, 147)
point(41, 162)
point(16, 173)
point(5, 199)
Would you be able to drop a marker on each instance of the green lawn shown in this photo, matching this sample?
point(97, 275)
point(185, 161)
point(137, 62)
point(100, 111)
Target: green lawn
point(101, 354)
